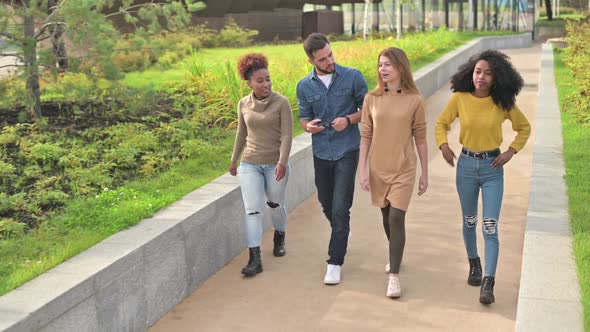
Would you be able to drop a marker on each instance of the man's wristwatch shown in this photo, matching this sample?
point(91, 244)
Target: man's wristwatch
point(348, 120)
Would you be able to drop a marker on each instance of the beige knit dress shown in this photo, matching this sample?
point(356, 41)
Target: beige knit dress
point(391, 124)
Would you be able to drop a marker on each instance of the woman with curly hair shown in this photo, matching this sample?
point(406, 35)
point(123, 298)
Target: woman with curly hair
point(263, 139)
point(485, 90)
point(393, 123)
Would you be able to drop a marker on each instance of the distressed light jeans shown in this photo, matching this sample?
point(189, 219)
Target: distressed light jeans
point(260, 189)
point(473, 175)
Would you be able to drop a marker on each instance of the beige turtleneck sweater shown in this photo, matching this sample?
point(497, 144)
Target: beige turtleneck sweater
point(265, 130)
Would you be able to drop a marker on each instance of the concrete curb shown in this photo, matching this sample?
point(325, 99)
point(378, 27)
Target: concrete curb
point(549, 296)
point(128, 281)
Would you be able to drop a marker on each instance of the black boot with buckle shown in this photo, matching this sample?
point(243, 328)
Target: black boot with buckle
point(474, 278)
point(279, 244)
point(486, 295)
point(254, 264)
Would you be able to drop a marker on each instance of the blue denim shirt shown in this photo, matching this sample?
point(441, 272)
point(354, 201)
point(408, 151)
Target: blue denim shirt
point(344, 96)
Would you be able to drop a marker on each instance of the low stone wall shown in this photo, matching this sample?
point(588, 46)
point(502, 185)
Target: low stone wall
point(128, 281)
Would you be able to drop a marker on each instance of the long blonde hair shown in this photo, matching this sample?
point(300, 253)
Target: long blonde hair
point(399, 59)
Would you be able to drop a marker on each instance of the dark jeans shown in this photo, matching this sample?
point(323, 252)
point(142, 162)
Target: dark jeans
point(335, 180)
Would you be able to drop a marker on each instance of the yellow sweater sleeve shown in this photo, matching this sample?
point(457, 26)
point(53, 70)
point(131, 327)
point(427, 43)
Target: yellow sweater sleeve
point(445, 119)
point(521, 126)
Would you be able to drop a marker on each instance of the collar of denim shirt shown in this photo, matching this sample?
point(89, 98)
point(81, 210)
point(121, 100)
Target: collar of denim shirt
point(337, 72)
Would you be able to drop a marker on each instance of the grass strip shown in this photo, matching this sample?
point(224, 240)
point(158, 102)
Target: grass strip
point(576, 149)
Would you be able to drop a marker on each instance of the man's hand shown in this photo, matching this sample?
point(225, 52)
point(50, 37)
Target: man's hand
point(312, 126)
point(503, 158)
point(339, 124)
point(448, 154)
point(233, 169)
point(280, 172)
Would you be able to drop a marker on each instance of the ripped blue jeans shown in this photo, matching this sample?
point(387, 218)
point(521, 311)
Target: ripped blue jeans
point(473, 175)
point(261, 190)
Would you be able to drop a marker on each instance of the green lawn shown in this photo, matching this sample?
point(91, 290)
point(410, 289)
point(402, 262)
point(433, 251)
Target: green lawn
point(576, 142)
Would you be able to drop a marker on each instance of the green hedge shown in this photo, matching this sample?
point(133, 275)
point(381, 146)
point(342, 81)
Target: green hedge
point(577, 57)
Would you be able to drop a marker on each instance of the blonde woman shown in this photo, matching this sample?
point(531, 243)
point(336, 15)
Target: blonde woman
point(392, 123)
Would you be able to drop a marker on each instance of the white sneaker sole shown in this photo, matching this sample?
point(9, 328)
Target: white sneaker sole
point(331, 282)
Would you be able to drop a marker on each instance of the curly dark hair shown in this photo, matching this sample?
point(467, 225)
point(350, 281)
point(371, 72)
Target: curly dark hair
point(250, 63)
point(507, 81)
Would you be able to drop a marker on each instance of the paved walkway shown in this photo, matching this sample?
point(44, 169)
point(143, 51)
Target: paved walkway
point(290, 295)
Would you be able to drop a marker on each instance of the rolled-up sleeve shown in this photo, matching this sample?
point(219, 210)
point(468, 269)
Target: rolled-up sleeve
point(305, 110)
point(360, 89)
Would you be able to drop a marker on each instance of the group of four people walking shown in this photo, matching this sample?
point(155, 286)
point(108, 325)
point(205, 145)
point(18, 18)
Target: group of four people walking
point(332, 101)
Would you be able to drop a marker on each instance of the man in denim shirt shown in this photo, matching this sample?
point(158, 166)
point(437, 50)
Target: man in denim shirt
point(330, 99)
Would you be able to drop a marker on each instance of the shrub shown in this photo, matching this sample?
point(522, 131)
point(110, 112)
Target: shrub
point(12, 90)
point(70, 86)
point(578, 60)
point(7, 173)
point(46, 154)
point(168, 59)
point(233, 35)
point(128, 61)
point(11, 229)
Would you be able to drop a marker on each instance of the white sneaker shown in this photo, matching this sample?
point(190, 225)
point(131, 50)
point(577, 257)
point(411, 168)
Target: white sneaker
point(332, 275)
point(394, 289)
point(387, 268)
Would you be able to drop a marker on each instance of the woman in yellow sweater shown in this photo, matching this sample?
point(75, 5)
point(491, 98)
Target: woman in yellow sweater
point(393, 123)
point(485, 90)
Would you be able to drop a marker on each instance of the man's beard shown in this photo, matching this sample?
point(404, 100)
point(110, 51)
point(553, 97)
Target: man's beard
point(325, 71)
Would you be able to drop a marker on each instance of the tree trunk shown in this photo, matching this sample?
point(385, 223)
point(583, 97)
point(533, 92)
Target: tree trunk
point(398, 19)
point(375, 21)
point(549, 10)
point(366, 17)
point(32, 68)
point(60, 56)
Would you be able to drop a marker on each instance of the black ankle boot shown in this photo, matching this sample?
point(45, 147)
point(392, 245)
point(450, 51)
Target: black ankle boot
point(486, 295)
point(474, 272)
point(279, 242)
point(254, 264)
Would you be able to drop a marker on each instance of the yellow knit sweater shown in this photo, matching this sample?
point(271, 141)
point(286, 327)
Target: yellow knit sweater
point(481, 123)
